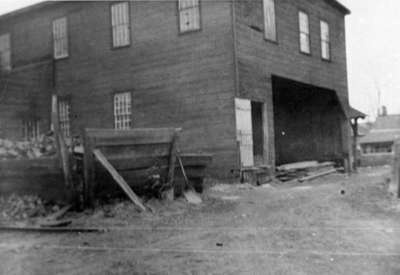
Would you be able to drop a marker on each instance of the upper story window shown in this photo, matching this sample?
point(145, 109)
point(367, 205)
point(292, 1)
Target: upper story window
point(123, 111)
point(269, 20)
point(304, 28)
point(60, 38)
point(325, 41)
point(5, 52)
point(189, 15)
point(120, 24)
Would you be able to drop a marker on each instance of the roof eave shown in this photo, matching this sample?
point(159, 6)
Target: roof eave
point(340, 6)
point(27, 9)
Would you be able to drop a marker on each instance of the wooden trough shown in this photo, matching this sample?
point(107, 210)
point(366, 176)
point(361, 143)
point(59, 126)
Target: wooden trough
point(135, 155)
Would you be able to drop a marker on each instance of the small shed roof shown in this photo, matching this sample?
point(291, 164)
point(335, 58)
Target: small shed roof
point(384, 129)
point(380, 136)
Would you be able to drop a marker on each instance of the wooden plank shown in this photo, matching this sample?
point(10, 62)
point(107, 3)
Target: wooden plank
point(136, 151)
point(51, 229)
point(117, 177)
point(62, 150)
point(122, 163)
point(317, 175)
point(111, 137)
point(88, 166)
point(125, 164)
point(55, 123)
point(172, 159)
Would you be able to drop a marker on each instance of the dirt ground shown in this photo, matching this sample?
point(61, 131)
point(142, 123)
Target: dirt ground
point(334, 225)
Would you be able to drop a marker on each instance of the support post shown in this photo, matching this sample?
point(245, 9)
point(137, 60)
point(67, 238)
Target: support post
point(395, 185)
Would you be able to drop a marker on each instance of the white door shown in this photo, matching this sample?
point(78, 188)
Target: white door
point(244, 131)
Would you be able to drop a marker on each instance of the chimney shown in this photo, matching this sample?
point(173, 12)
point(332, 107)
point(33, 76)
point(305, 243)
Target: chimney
point(384, 111)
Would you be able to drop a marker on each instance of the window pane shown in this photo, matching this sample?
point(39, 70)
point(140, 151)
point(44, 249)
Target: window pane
point(60, 38)
point(269, 19)
point(325, 50)
point(304, 43)
point(303, 22)
point(5, 52)
point(324, 31)
point(120, 24)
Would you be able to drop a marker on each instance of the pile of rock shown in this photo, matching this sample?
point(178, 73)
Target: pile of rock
point(23, 207)
point(44, 146)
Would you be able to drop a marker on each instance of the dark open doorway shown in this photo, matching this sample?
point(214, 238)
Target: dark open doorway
point(307, 122)
point(258, 132)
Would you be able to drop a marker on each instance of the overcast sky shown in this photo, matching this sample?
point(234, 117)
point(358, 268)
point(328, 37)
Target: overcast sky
point(373, 50)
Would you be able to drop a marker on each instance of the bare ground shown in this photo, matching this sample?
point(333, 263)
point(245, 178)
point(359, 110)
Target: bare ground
point(335, 225)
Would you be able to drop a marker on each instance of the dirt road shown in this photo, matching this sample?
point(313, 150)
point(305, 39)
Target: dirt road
point(335, 225)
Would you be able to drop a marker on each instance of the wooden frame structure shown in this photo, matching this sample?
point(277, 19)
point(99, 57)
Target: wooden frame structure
point(128, 154)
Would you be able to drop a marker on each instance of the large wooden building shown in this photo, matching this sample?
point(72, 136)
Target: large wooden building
point(254, 82)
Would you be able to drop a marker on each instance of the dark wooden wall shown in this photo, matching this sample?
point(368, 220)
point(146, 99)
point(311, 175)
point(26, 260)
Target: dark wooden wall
point(259, 59)
point(25, 95)
point(176, 80)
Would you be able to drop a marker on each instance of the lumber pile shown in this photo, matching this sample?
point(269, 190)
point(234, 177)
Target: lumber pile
point(304, 171)
point(44, 146)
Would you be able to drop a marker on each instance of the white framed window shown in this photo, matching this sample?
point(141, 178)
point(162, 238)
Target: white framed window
point(5, 52)
point(120, 24)
point(304, 29)
point(325, 40)
point(189, 15)
point(64, 111)
point(269, 20)
point(123, 111)
point(60, 38)
point(31, 129)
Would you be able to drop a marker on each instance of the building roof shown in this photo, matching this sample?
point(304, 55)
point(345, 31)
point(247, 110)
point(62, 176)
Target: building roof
point(43, 4)
point(354, 113)
point(340, 6)
point(384, 129)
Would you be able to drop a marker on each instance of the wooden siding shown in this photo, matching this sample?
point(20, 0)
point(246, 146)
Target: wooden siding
point(25, 95)
point(176, 80)
point(259, 59)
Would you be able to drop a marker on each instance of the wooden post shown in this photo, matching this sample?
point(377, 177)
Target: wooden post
point(172, 159)
point(354, 126)
point(88, 170)
point(395, 185)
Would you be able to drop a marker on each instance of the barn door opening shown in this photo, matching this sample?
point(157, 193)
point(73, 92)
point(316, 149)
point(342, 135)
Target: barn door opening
point(249, 132)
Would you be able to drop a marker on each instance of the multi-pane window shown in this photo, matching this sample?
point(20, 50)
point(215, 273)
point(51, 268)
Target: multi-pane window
point(123, 111)
point(5, 52)
point(189, 15)
point(304, 29)
point(325, 41)
point(120, 24)
point(269, 20)
point(60, 38)
point(64, 110)
point(378, 148)
point(31, 129)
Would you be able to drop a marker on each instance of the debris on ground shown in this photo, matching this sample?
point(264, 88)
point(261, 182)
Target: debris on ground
point(44, 146)
point(304, 171)
point(18, 208)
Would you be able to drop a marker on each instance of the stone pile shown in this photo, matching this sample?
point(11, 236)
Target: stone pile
point(44, 146)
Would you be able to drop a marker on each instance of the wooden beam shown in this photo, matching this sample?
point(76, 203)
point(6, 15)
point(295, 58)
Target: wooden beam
point(172, 159)
point(318, 175)
point(120, 180)
point(88, 164)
